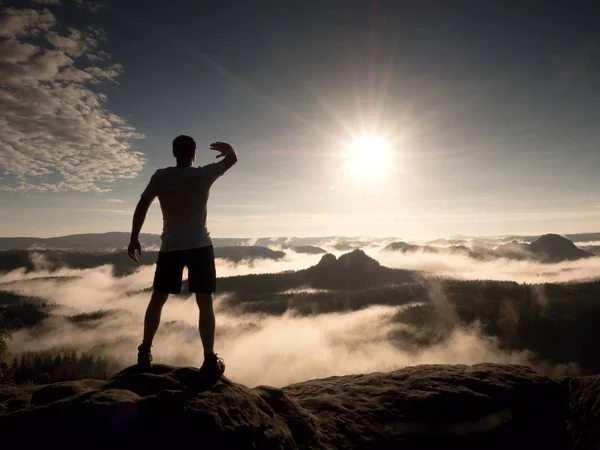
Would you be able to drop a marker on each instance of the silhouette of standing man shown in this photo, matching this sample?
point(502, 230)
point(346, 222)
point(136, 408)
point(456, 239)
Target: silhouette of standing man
point(183, 192)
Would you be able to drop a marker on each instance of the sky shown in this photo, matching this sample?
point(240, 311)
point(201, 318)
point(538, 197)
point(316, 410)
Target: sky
point(488, 112)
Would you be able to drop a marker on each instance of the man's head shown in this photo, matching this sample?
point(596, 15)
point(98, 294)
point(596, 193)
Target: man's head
point(184, 148)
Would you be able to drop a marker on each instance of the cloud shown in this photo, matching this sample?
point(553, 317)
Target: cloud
point(258, 349)
point(47, 2)
point(292, 261)
point(17, 23)
point(462, 267)
point(55, 132)
point(90, 5)
point(581, 244)
point(113, 200)
point(106, 211)
point(445, 264)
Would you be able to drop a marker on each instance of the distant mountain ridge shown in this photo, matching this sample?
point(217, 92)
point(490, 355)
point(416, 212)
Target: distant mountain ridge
point(549, 248)
point(52, 260)
point(118, 240)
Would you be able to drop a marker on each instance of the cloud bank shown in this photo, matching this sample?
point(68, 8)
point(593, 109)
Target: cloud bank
point(55, 132)
point(463, 267)
point(258, 349)
point(274, 350)
point(444, 264)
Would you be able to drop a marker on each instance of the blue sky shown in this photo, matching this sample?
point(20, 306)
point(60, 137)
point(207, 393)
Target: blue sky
point(489, 109)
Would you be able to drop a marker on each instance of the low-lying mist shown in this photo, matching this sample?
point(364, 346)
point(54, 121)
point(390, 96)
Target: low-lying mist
point(501, 269)
point(445, 264)
point(261, 349)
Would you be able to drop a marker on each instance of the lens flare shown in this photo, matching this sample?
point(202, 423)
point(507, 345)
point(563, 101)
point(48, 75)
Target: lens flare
point(367, 156)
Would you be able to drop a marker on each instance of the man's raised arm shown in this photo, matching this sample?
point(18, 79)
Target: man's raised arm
point(227, 153)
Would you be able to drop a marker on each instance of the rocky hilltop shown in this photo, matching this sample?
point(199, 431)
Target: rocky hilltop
point(487, 406)
point(353, 270)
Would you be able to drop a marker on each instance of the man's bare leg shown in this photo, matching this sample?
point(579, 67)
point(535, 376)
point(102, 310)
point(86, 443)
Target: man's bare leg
point(206, 326)
point(206, 323)
point(152, 317)
point(151, 323)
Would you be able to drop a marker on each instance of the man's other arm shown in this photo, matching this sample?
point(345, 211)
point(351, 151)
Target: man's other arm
point(139, 216)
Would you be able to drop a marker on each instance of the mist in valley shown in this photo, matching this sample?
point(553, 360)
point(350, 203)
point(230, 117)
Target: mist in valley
point(278, 349)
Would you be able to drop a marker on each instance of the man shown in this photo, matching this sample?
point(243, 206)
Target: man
point(182, 191)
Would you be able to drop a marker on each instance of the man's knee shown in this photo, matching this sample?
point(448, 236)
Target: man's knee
point(159, 297)
point(204, 300)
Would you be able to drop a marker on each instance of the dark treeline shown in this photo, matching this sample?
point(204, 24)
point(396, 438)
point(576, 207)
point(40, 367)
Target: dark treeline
point(19, 311)
point(49, 366)
point(558, 322)
point(52, 366)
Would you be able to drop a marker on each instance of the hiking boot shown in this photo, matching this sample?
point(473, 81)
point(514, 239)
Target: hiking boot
point(213, 366)
point(144, 358)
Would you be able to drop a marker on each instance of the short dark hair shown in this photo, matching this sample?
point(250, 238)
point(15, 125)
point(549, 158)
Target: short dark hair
point(184, 147)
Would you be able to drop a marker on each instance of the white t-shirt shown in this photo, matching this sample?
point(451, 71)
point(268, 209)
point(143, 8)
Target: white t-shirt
point(183, 195)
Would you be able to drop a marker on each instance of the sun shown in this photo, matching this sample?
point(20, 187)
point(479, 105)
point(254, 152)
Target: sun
point(367, 156)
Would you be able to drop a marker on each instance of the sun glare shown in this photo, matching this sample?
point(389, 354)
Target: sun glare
point(367, 156)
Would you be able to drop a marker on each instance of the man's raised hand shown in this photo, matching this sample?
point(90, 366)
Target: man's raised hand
point(222, 147)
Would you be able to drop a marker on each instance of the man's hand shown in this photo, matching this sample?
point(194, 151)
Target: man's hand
point(134, 245)
point(227, 151)
point(222, 147)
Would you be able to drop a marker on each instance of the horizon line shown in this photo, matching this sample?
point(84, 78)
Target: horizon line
point(312, 236)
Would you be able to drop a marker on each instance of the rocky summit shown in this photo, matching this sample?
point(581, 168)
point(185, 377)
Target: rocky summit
point(489, 406)
point(353, 270)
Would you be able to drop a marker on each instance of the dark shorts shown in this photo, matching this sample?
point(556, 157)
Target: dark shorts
point(202, 276)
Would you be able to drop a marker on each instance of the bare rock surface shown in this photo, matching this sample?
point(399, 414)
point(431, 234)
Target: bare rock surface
point(489, 406)
point(584, 411)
